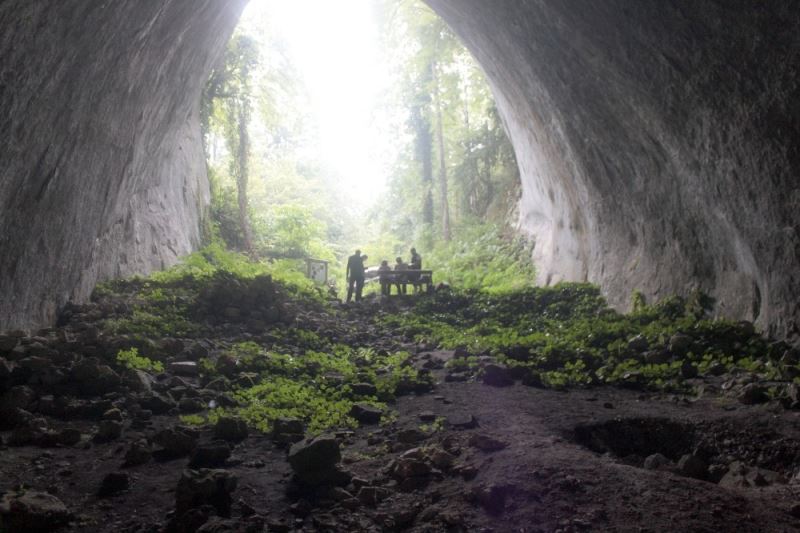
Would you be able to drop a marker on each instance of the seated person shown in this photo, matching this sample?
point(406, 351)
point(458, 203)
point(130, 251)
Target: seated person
point(400, 266)
point(383, 278)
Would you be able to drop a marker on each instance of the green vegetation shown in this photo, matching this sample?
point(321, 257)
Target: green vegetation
point(455, 181)
point(317, 386)
point(479, 257)
point(281, 352)
point(452, 179)
point(567, 336)
point(131, 359)
point(294, 373)
point(270, 197)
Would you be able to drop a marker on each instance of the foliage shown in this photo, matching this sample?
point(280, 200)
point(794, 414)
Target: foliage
point(316, 386)
point(131, 359)
point(567, 336)
point(269, 196)
point(214, 258)
point(441, 89)
point(479, 257)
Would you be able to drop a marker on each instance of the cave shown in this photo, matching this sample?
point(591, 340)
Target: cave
point(657, 143)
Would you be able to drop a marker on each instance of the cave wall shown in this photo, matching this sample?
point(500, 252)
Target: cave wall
point(101, 166)
point(658, 142)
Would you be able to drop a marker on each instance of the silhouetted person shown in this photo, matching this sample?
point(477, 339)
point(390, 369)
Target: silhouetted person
point(400, 266)
point(386, 287)
point(415, 264)
point(416, 260)
point(355, 275)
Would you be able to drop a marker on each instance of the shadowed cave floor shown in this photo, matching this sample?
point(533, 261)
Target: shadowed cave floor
point(510, 458)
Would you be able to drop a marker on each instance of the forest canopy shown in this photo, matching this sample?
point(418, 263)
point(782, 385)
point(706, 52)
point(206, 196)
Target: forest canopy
point(451, 181)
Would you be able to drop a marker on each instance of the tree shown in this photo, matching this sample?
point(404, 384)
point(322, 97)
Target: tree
point(453, 126)
point(231, 84)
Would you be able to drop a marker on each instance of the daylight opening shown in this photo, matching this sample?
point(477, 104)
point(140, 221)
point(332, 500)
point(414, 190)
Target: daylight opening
point(367, 126)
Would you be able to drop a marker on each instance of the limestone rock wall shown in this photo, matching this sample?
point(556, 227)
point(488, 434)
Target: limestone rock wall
point(659, 142)
point(101, 166)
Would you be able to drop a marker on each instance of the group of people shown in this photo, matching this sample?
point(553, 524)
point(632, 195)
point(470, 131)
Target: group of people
point(356, 268)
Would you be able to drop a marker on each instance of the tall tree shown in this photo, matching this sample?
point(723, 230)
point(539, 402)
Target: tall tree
point(443, 188)
point(231, 84)
point(421, 125)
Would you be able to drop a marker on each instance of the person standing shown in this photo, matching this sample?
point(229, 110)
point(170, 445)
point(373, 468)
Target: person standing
point(355, 275)
point(415, 264)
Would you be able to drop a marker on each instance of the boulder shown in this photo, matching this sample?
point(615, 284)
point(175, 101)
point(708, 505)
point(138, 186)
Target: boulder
point(138, 453)
point(171, 346)
point(287, 430)
point(372, 496)
point(19, 397)
point(492, 497)
point(184, 368)
point(6, 369)
point(462, 421)
point(95, 378)
point(197, 488)
point(8, 343)
point(157, 403)
point(753, 393)
point(32, 512)
point(231, 429)
point(366, 414)
point(108, 430)
point(210, 455)
point(496, 376)
point(656, 461)
point(411, 436)
point(114, 483)
point(314, 461)
point(364, 389)
point(638, 344)
point(688, 370)
point(657, 357)
point(191, 405)
point(176, 442)
point(680, 344)
point(427, 416)
point(742, 475)
point(486, 443)
point(138, 380)
point(441, 459)
point(692, 466)
point(409, 467)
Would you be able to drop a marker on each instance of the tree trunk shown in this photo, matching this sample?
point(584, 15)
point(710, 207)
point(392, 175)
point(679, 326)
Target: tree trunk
point(446, 234)
point(242, 174)
point(424, 152)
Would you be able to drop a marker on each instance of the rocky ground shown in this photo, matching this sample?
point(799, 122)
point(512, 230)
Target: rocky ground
point(90, 444)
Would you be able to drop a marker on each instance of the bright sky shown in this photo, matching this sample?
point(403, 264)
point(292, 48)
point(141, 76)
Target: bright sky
point(335, 48)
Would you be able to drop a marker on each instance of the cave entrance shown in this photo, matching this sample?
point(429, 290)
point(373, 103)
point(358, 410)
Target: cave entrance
point(368, 126)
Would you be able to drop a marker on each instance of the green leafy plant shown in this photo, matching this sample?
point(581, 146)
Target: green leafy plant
point(130, 358)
